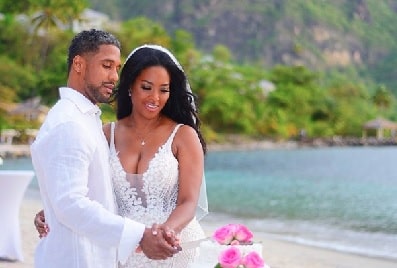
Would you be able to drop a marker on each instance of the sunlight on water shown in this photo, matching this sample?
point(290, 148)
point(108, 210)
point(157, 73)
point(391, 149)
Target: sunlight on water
point(313, 193)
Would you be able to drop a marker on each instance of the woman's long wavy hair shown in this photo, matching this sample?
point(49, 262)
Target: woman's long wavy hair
point(180, 106)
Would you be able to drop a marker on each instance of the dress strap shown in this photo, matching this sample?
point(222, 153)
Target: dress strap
point(171, 137)
point(111, 144)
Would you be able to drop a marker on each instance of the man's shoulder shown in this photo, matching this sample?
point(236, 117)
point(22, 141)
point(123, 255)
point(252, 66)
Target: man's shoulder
point(64, 116)
point(64, 110)
point(64, 103)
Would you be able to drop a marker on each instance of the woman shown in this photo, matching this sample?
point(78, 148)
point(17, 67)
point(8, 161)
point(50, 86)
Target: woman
point(157, 150)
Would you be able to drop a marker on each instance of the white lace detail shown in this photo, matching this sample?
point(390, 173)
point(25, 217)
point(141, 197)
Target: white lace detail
point(150, 198)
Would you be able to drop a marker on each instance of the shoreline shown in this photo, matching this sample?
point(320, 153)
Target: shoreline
point(240, 143)
point(236, 142)
point(276, 252)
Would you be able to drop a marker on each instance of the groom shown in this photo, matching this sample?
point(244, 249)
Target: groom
point(70, 158)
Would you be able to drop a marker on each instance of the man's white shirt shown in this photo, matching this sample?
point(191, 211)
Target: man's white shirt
point(71, 159)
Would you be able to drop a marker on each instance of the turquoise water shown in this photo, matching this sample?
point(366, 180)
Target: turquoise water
point(339, 198)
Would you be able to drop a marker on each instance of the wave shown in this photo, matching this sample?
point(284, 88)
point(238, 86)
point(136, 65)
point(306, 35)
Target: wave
point(375, 245)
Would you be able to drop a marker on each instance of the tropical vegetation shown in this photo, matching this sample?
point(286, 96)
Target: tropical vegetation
point(236, 95)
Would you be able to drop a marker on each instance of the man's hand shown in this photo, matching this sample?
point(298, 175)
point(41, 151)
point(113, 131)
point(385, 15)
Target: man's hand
point(156, 244)
point(41, 226)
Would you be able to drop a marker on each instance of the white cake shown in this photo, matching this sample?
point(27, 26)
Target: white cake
point(210, 250)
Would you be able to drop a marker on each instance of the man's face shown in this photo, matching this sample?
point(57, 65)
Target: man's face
point(101, 73)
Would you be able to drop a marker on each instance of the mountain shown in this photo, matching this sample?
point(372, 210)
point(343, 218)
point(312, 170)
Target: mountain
point(351, 36)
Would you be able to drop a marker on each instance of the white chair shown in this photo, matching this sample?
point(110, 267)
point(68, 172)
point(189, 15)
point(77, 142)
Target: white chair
point(13, 184)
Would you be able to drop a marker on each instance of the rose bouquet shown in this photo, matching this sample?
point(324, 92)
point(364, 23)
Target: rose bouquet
point(233, 257)
point(233, 234)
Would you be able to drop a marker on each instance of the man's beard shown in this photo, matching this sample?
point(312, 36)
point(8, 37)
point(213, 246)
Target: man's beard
point(95, 95)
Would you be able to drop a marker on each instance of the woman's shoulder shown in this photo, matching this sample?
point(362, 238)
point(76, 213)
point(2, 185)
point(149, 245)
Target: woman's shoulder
point(179, 128)
point(185, 134)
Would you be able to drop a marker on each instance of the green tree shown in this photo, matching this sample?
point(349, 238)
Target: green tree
point(54, 72)
point(13, 36)
point(383, 98)
point(139, 31)
point(227, 100)
point(16, 78)
point(14, 7)
point(295, 102)
point(352, 107)
point(48, 17)
point(222, 53)
point(50, 14)
point(182, 44)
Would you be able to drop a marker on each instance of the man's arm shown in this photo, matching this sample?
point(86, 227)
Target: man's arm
point(166, 245)
point(65, 179)
point(62, 160)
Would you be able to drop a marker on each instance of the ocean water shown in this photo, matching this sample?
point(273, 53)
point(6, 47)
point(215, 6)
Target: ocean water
point(343, 199)
point(338, 198)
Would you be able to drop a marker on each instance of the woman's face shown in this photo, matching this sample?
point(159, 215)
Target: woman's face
point(150, 91)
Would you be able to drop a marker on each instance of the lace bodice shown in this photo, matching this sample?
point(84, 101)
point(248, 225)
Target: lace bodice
point(151, 197)
point(154, 196)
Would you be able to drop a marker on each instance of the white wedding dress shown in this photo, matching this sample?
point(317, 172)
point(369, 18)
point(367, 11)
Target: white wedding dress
point(150, 198)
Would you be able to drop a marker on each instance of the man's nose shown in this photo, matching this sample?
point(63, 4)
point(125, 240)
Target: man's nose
point(114, 75)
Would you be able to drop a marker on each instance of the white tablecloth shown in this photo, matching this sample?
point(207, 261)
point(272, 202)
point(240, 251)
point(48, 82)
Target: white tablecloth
point(13, 184)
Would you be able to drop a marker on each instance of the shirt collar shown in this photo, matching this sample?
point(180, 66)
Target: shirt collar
point(81, 102)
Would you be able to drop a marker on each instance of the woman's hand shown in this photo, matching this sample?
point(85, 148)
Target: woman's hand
point(168, 234)
point(39, 222)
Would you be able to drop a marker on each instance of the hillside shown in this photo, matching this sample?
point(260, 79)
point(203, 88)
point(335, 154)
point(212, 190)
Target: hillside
point(354, 36)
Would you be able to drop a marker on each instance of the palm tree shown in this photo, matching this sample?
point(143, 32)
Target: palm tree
point(383, 98)
point(50, 16)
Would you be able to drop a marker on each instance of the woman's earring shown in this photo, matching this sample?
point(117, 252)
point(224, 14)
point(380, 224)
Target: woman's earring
point(129, 93)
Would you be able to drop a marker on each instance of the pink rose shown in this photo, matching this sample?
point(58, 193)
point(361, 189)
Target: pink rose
point(243, 234)
point(235, 243)
point(225, 234)
point(230, 258)
point(253, 260)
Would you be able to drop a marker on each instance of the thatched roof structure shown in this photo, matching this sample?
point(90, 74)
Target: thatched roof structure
point(31, 109)
point(380, 125)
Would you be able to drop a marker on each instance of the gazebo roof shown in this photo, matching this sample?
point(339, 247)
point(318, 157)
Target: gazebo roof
point(380, 123)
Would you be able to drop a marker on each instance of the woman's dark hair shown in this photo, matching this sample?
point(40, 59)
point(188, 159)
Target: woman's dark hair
point(180, 105)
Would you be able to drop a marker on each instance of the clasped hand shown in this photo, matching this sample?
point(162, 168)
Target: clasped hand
point(158, 242)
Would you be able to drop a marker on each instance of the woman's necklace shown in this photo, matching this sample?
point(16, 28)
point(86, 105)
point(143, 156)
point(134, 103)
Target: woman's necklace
point(144, 137)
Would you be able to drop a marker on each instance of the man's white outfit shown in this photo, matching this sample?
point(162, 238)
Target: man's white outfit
point(71, 159)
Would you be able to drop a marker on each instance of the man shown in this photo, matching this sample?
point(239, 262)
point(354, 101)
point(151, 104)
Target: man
point(70, 158)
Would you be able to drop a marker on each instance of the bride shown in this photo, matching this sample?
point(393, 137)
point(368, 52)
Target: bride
point(157, 151)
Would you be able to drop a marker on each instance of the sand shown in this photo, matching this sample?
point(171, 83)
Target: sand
point(28, 210)
point(277, 253)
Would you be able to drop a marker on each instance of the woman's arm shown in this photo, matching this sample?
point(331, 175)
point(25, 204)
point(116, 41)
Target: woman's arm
point(189, 153)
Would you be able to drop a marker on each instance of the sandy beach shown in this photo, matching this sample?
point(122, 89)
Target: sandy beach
point(277, 253)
